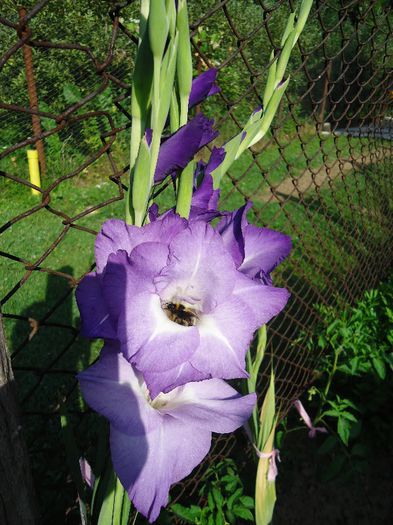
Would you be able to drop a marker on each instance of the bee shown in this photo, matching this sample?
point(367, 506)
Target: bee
point(180, 314)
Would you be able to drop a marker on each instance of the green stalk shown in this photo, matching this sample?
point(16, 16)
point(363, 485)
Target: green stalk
point(184, 195)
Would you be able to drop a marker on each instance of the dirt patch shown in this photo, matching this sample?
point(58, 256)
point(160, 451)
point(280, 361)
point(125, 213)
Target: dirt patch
point(311, 180)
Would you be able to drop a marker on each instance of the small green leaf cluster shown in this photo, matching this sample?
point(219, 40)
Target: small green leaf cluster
point(224, 501)
point(362, 335)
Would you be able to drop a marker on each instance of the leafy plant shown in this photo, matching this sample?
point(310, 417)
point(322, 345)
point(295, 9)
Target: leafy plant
point(354, 376)
point(223, 495)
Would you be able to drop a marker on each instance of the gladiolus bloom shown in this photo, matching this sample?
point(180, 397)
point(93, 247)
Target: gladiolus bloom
point(171, 294)
point(155, 443)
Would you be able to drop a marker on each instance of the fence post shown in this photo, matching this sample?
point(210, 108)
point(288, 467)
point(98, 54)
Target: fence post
point(17, 500)
point(326, 83)
point(33, 99)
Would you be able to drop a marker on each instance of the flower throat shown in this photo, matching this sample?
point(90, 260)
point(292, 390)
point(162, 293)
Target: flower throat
point(180, 314)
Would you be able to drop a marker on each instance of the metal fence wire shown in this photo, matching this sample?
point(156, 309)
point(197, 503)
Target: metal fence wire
point(323, 176)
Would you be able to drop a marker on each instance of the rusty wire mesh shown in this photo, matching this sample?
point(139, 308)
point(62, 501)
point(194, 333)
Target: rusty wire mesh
point(323, 176)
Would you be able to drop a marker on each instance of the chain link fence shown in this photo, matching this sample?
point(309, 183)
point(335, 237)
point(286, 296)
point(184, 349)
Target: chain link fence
point(323, 176)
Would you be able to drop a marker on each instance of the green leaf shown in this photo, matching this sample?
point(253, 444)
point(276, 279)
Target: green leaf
point(231, 500)
point(379, 367)
point(347, 415)
point(343, 429)
point(71, 93)
point(244, 513)
point(190, 514)
point(247, 502)
point(220, 519)
point(218, 497)
point(210, 501)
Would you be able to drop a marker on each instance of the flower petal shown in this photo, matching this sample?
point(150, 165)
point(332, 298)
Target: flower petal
point(216, 158)
point(211, 404)
point(153, 341)
point(148, 465)
point(231, 230)
point(203, 86)
point(117, 235)
point(94, 311)
point(200, 271)
point(167, 380)
point(225, 335)
point(264, 249)
point(177, 151)
point(205, 197)
point(112, 388)
point(125, 276)
point(264, 301)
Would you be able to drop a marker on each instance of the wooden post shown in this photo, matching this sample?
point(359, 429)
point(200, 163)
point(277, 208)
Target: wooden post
point(31, 88)
point(17, 501)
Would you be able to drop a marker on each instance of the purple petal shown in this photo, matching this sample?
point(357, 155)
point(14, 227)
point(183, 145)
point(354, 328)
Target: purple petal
point(167, 380)
point(264, 249)
point(148, 465)
point(225, 335)
point(216, 158)
point(306, 418)
point(86, 472)
point(231, 230)
point(117, 235)
point(264, 301)
point(205, 197)
point(200, 271)
point(112, 388)
point(213, 405)
point(94, 311)
point(126, 276)
point(177, 151)
point(153, 341)
point(203, 86)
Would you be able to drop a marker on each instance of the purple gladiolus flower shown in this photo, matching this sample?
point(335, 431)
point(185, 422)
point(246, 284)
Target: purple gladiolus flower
point(203, 86)
point(171, 294)
point(155, 443)
point(177, 151)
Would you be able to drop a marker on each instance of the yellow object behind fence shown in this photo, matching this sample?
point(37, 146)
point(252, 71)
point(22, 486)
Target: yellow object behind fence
point(34, 170)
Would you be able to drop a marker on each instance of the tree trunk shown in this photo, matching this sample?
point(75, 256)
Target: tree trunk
point(17, 501)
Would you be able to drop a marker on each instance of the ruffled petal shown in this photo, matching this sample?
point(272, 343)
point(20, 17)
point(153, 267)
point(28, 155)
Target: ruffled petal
point(203, 86)
point(264, 301)
point(200, 271)
point(212, 404)
point(148, 465)
point(150, 338)
point(225, 335)
point(264, 249)
point(94, 311)
point(117, 235)
point(112, 388)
